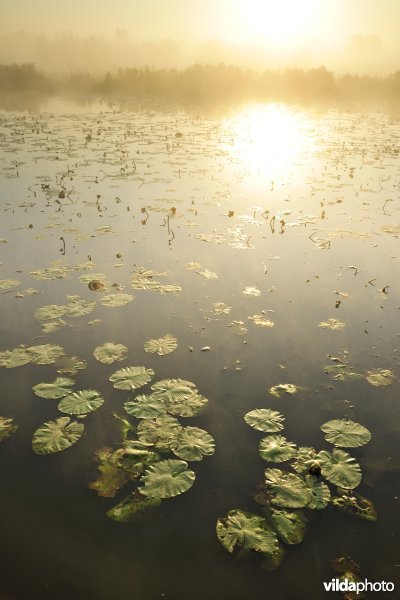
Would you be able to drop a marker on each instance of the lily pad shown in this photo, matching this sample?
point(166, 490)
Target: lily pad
point(356, 505)
point(167, 478)
point(118, 299)
point(81, 403)
point(132, 507)
point(7, 428)
point(78, 307)
point(290, 527)
point(320, 493)
point(378, 377)
point(346, 434)
point(112, 477)
point(49, 312)
point(110, 352)
point(131, 378)
point(276, 448)
point(193, 444)
point(145, 407)
point(70, 365)
point(283, 388)
point(181, 397)
point(162, 431)
point(265, 419)
point(304, 458)
point(162, 346)
point(188, 406)
point(45, 354)
point(241, 530)
point(340, 468)
point(15, 358)
point(286, 489)
point(8, 284)
point(58, 388)
point(251, 291)
point(332, 324)
point(56, 436)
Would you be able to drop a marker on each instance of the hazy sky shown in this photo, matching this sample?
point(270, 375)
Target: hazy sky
point(244, 21)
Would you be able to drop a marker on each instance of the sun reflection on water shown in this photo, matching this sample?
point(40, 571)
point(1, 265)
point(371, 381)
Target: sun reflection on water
point(269, 139)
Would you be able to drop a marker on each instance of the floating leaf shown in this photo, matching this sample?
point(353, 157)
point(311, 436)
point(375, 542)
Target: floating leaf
point(70, 365)
point(276, 448)
point(290, 527)
point(52, 326)
point(286, 489)
point(167, 478)
point(162, 431)
point(7, 428)
point(320, 493)
point(264, 419)
point(345, 433)
point(251, 291)
point(283, 388)
point(145, 407)
point(77, 307)
point(244, 531)
point(193, 444)
point(261, 321)
point(131, 378)
point(56, 436)
point(173, 389)
point(15, 358)
point(8, 284)
point(81, 403)
point(50, 311)
point(304, 458)
point(131, 507)
point(378, 377)
point(56, 389)
point(332, 324)
point(186, 406)
point(110, 352)
point(340, 468)
point(112, 477)
point(356, 505)
point(118, 299)
point(45, 354)
point(219, 308)
point(162, 346)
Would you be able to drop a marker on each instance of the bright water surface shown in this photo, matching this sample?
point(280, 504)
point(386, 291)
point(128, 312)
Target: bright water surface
point(332, 182)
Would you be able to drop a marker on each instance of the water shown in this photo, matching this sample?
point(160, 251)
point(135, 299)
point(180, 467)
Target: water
point(207, 195)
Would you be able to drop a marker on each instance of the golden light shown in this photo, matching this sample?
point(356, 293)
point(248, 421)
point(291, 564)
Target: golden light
point(269, 139)
point(276, 22)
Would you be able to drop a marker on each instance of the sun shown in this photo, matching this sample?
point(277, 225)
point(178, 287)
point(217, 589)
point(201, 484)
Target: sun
point(277, 23)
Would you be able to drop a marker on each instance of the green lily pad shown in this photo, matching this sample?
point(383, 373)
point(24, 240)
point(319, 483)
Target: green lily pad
point(7, 428)
point(49, 312)
point(58, 388)
point(161, 432)
point(167, 478)
point(241, 530)
point(131, 378)
point(188, 406)
point(290, 527)
point(135, 456)
point(81, 403)
point(340, 468)
point(180, 397)
point(286, 489)
point(320, 493)
point(45, 354)
point(356, 505)
point(118, 299)
point(378, 377)
point(70, 365)
point(304, 458)
point(264, 419)
point(56, 436)
point(132, 507)
point(112, 477)
point(78, 307)
point(283, 388)
point(193, 444)
point(276, 448)
point(145, 407)
point(8, 284)
point(345, 433)
point(162, 346)
point(15, 358)
point(110, 352)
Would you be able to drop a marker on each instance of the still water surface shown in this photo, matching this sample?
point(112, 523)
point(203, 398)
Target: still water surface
point(302, 206)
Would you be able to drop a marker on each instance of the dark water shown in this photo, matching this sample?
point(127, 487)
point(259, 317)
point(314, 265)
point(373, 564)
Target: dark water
point(334, 177)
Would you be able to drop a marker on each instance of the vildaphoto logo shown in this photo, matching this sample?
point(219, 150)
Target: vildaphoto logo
point(346, 585)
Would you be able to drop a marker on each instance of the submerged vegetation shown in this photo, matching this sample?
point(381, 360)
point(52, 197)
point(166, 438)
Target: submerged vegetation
point(207, 83)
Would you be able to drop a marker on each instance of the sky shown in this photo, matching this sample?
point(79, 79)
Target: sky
point(280, 25)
